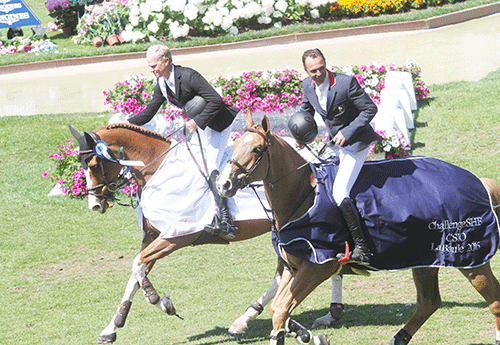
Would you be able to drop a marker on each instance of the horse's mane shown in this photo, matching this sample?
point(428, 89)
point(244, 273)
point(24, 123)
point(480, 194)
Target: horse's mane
point(283, 143)
point(286, 146)
point(136, 128)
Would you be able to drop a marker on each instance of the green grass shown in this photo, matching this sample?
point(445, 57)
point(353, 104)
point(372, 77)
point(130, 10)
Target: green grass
point(64, 268)
point(67, 49)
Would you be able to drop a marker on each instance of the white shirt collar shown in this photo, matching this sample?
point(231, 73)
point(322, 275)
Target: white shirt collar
point(323, 87)
point(171, 80)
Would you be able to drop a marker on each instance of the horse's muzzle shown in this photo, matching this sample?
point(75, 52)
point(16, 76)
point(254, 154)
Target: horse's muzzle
point(102, 206)
point(226, 189)
point(227, 184)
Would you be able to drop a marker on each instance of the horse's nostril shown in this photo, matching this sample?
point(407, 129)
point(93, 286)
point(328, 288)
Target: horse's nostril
point(227, 185)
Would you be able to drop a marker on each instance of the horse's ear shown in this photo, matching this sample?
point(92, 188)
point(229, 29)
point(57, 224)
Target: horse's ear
point(89, 140)
point(265, 124)
point(249, 118)
point(78, 136)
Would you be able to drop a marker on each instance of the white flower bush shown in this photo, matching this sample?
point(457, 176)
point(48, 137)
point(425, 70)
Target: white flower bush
point(154, 19)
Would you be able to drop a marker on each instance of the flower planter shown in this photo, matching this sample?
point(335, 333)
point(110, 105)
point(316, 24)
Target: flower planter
point(112, 40)
point(97, 41)
point(68, 31)
point(120, 38)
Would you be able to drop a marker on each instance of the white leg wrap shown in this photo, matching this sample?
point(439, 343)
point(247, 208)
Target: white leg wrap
point(269, 294)
point(337, 289)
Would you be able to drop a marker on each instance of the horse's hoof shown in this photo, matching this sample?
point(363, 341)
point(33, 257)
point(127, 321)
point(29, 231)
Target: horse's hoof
point(122, 313)
point(106, 338)
point(336, 311)
point(323, 322)
point(167, 305)
point(321, 339)
point(238, 328)
point(150, 292)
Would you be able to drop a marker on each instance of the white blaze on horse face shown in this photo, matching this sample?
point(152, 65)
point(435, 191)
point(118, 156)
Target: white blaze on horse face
point(93, 204)
point(223, 178)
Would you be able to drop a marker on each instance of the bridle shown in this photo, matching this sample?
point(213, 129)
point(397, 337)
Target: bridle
point(245, 183)
point(265, 152)
point(126, 176)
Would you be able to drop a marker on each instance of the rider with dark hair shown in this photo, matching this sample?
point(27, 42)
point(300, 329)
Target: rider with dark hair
point(347, 111)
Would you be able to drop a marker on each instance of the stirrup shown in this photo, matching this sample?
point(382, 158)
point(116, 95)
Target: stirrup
point(222, 228)
point(361, 257)
point(357, 256)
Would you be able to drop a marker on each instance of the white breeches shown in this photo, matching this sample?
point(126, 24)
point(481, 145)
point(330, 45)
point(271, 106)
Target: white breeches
point(213, 144)
point(349, 167)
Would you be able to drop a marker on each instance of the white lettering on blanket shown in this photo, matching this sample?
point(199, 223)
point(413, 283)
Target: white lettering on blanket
point(447, 225)
point(456, 242)
point(459, 248)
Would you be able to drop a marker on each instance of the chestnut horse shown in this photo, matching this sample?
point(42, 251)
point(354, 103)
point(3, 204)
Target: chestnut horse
point(139, 144)
point(135, 143)
point(260, 155)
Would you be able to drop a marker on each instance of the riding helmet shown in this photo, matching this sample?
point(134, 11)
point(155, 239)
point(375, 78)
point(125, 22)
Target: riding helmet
point(194, 106)
point(303, 127)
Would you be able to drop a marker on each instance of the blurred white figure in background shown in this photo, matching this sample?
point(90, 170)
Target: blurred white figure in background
point(397, 103)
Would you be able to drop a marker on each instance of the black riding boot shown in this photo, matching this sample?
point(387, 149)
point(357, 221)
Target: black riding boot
point(360, 254)
point(223, 224)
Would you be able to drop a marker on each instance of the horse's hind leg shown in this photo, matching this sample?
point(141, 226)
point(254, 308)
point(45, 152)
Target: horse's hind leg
point(428, 301)
point(336, 307)
point(487, 285)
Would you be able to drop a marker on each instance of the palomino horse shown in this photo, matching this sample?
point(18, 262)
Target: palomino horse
point(138, 144)
point(288, 181)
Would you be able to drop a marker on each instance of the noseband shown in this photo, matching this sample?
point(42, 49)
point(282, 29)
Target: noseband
point(248, 172)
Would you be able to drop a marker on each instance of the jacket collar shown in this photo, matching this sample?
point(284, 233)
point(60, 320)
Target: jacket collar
point(331, 76)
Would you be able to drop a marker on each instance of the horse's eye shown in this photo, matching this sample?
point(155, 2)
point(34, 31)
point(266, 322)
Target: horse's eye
point(93, 167)
point(257, 150)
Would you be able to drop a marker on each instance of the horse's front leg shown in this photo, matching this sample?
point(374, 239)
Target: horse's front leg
point(295, 286)
point(428, 301)
point(158, 249)
point(240, 326)
point(108, 335)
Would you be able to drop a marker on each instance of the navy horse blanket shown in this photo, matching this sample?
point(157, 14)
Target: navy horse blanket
point(419, 212)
